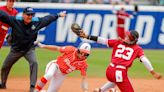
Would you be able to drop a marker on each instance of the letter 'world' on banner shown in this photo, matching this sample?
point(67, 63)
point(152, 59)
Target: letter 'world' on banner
point(98, 20)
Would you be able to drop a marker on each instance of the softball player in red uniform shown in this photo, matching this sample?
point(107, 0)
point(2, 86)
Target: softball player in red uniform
point(122, 15)
point(71, 59)
point(8, 8)
point(125, 51)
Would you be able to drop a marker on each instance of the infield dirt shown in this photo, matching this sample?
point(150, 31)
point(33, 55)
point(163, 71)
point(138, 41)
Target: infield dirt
point(73, 85)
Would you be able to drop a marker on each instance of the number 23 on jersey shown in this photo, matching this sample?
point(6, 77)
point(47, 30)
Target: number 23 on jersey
point(124, 52)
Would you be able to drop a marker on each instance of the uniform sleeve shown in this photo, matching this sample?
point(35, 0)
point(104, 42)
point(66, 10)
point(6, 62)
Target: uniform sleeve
point(83, 70)
point(45, 21)
point(140, 53)
point(66, 49)
point(15, 12)
point(111, 43)
point(127, 15)
point(5, 18)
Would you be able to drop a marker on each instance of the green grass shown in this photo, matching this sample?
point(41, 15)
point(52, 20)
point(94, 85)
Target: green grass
point(98, 62)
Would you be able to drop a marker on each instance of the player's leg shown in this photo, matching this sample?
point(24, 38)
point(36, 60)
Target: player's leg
point(7, 64)
point(124, 85)
point(51, 69)
point(31, 58)
point(110, 73)
point(56, 82)
point(107, 86)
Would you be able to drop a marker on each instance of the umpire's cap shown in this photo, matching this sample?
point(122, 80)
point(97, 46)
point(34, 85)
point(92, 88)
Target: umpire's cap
point(85, 47)
point(29, 10)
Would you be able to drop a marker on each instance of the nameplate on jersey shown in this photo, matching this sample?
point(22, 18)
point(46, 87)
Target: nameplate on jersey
point(4, 27)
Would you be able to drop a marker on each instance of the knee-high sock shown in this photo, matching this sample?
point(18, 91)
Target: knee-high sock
point(41, 83)
point(107, 86)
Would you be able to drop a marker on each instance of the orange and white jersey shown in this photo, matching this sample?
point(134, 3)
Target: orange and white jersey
point(68, 61)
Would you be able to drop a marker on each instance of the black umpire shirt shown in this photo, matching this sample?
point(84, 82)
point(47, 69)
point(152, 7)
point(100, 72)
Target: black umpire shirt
point(23, 36)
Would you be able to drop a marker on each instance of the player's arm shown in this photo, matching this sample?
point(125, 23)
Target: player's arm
point(98, 39)
point(131, 16)
point(49, 47)
point(135, 10)
point(127, 15)
point(84, 84)
point(51, 18)
point(4, 17)
point(149, 67)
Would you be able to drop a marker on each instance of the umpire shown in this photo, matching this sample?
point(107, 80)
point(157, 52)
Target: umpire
point(24, 33)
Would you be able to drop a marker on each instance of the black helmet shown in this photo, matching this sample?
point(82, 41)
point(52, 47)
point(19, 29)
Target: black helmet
point(134, 34)
point(133, 37)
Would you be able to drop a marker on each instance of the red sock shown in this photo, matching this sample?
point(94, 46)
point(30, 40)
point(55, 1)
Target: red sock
point(41, 83)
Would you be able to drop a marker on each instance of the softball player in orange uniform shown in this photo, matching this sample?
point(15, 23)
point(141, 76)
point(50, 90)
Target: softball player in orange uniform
point(71, 59)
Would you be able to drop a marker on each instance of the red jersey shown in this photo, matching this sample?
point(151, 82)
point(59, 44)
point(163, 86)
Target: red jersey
point(68, 62)
point(4, 27)
point(124, 54)
point(121, 16)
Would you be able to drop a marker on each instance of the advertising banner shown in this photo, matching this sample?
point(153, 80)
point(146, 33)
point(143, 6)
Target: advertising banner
point(99, 20)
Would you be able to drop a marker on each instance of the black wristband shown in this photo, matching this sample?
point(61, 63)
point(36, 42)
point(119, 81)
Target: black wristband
point(88, 37)
point(94, 38)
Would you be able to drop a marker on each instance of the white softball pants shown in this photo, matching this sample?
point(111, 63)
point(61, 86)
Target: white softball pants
point(55, 76)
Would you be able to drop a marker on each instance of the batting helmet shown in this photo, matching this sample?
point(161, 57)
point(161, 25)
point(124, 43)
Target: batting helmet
point(85, 47)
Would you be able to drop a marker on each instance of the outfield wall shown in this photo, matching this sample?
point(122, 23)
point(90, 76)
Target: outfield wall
point(98, 20)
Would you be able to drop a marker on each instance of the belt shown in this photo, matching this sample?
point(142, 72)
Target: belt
point(117, 66)
point(120, 25)
point(4, 27)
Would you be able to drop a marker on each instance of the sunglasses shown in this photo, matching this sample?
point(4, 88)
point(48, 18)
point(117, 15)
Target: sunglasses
point(30, 14)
